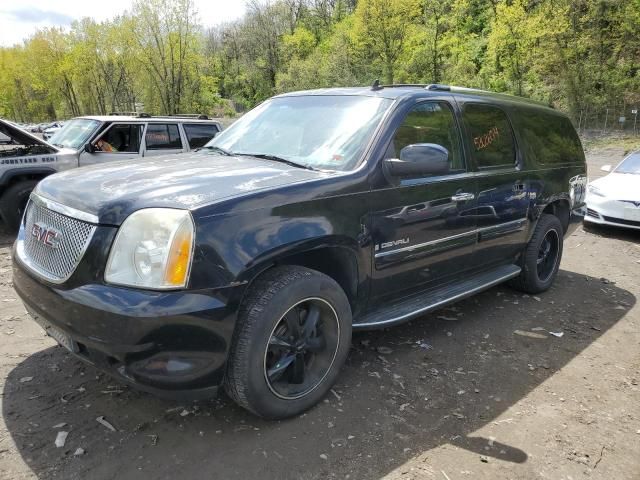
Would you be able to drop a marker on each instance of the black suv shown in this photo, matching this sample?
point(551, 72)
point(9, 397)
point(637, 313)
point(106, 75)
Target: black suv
point(249, 263)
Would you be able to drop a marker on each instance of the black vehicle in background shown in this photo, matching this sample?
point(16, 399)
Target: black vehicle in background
point(248, 264)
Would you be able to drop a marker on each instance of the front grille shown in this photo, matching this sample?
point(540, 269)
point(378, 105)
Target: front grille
point(57, 260)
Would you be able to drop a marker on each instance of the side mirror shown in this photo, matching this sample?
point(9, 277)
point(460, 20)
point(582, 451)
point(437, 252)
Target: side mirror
point(419, 159)
point(89, 148)
point(605, 168)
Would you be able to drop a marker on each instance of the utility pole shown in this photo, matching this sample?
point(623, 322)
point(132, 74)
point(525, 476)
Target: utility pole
point(635, 120)
point(606, 117)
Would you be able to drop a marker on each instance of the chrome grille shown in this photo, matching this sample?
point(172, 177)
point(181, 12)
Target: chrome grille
point(55, 263)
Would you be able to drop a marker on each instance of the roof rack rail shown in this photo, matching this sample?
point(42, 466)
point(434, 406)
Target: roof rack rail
point(439, 87)
point(427, 86)
point(126, 114)
point(198, 116)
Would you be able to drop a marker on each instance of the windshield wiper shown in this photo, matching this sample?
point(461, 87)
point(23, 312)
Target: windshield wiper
point(218, 149)
point(275, 158)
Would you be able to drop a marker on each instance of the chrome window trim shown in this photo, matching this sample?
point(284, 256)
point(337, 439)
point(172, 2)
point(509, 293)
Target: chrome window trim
point(445, 239)
point(63, 209)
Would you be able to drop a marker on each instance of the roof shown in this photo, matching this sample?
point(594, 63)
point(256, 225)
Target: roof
point(394, 92)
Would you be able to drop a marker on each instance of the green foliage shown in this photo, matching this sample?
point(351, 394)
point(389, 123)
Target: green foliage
point(572, 53)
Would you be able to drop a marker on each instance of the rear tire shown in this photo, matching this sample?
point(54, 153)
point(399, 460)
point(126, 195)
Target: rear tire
point(292, 337)
point(541, 257)
point(13, 202)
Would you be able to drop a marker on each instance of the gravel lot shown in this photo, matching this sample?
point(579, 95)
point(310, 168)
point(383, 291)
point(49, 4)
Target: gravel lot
point(480, 390)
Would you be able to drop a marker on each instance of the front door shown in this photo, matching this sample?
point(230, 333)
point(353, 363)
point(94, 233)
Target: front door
point(423, 229)
point(120, 141)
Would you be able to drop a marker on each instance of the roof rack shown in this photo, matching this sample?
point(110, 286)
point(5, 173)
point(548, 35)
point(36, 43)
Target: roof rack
point(426, 86)
point(127, 114)
point(198, 116)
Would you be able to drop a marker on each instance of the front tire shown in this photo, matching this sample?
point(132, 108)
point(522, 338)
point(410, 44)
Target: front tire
point(293, 336)
point(541, 257)
point(14, 201)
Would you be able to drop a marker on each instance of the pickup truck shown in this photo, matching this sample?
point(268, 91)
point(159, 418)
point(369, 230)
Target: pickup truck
point(26, 159)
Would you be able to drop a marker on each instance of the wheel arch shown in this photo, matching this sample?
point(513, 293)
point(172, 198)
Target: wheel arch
point(334, 257)
point(560, 208)
point(11, 177)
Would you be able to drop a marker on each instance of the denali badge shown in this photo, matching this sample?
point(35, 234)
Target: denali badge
point(46, 235)
point(394, 243)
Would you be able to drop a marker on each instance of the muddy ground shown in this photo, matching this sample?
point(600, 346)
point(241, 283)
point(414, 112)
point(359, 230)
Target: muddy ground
point(480, 390)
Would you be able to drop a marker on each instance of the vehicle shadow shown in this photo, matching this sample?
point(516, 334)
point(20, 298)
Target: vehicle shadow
point(404, 391)
point(609, 231)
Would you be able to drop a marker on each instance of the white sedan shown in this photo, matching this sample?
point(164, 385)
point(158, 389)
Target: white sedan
point(615, 198)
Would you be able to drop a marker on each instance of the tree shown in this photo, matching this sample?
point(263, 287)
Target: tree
point(382, 27)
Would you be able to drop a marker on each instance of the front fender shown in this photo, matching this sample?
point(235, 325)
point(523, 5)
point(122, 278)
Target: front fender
point(232, 249)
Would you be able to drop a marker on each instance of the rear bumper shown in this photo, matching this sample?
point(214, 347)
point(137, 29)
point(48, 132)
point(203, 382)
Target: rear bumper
point(172, 344)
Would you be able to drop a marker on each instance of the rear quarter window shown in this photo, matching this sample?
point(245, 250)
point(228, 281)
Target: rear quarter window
point(550, 139)
point(492, 141)
point(199, 134)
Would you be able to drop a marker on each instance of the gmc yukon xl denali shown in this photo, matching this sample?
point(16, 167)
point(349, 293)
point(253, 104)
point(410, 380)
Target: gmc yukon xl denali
point(248, 264)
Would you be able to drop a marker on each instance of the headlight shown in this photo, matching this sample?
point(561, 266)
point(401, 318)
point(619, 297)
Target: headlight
point(595, 190)
point(152, 249)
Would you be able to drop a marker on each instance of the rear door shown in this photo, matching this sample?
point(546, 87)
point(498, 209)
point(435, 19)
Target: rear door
point(163, 139)
point(503, 186)
point(421, 229)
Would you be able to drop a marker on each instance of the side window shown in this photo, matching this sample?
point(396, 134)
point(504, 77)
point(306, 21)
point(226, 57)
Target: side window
point(550, 138)
point(162, 136)
point(198, 135)
point(492, 141)
point(429, 122)
point(120, 138)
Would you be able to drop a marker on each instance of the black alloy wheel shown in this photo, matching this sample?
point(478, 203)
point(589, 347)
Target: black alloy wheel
point(548, 255)
point(302, 348)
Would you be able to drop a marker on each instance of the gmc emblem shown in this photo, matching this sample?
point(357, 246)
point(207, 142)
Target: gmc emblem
point(46, 235)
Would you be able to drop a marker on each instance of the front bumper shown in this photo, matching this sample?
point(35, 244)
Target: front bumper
point(172, 344)
point(604, 211)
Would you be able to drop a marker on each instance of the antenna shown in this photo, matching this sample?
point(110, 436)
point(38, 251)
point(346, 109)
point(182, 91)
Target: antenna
point(376, 85)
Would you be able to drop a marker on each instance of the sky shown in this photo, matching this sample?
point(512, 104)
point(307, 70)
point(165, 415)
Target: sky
point(20, 19)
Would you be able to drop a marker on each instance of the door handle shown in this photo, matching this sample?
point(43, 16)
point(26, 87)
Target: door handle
point(462, 197)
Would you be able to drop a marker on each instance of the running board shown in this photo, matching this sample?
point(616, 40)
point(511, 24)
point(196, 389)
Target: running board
point(419, 304)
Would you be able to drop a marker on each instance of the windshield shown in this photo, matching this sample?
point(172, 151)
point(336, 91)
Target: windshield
point(319, 131)
point(631, 164)
point(75, 133)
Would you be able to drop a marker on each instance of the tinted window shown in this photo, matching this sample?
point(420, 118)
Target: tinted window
point(162, 136)
point(429, 122)
point(199, 134)
point(492, 141)
point(550, 138)
point(120, 138)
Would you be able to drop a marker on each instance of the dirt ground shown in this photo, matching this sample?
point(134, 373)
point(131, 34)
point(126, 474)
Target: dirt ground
point(487, 389)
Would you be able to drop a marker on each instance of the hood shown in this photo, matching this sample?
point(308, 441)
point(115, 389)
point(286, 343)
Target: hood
point(619, 186)
point(114, 191)
point(12, 135)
